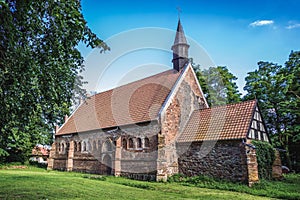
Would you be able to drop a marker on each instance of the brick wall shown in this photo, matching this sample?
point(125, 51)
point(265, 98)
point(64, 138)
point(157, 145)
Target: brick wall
point(173, 121)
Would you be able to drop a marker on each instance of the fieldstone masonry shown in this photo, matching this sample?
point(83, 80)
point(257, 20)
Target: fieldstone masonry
point(277, 167)
point(225, 160)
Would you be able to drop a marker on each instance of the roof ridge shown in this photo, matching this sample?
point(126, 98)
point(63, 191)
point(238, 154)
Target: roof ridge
point(230, 104)
point(118, 87)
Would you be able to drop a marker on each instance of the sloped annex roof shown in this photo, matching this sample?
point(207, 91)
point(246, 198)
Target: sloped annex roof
point(135, 102)
point(226, 122)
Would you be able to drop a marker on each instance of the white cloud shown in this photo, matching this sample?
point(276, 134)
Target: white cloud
point(292, 26)
point(262, 23)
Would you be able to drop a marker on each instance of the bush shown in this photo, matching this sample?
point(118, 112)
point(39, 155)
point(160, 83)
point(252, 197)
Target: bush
point(265, 155)
point(95, 177)
point(176, 178)
point(37, 164)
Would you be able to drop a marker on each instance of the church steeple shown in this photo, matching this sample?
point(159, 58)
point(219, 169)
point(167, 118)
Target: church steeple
point(180, 49)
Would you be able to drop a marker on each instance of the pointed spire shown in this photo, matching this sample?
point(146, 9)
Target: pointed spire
point(180, 49)
point(180, 37)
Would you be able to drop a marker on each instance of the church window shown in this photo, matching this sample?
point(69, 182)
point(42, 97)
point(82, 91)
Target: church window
point(75, 146)
point(89, 147)
point(79, 146)
point(56, 146)
point(99, 144)
point(139, 143)
point(84, 146)
point(107, 146)
point(59, 147)
point(94, 146)
point(67, 146)
point(63, 147)
point(147, 142)
point(130, 143)
point(124, 143)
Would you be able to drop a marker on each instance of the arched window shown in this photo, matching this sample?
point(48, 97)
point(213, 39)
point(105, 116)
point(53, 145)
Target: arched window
point(59, 147)
point(124, 143)
point(84, 146)
point(147, 142)
point(107, 146)
point(94, 146)
point(139, 143)
point(67, 146)
point(79, 146)
point(130, 143)
point(89, 147)
point(99, 144)
point(75, 146)
point(63, 147)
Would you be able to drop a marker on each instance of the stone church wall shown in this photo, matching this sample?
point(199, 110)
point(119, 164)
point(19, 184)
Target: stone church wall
point(86, 152)
point(139, 162)
point(226, 160)
point(186, 99)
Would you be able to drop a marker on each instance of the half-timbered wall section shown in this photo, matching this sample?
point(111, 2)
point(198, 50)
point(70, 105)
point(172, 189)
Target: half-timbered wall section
point(258, 129)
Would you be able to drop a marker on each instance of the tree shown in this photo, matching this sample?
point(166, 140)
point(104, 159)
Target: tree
point(218, 85)
point(276, 88)
point(39, 69)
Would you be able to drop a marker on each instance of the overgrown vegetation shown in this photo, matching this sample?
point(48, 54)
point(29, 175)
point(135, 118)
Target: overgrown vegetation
point(37, 183)
point(277, 89)
point(265, 155)
point(285, 189)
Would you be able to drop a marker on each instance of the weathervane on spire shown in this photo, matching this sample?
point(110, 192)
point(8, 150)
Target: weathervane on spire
point(179, 11)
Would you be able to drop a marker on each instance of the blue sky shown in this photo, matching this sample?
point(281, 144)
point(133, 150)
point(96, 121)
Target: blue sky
point(236, 34)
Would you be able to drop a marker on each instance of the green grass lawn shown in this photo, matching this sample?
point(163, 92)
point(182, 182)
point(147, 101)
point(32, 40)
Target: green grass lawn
point(35, 183)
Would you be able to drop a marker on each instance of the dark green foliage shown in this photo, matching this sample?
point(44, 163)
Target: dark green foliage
point(265, 155)
point(95, 177)
point(37, 164)
point(276, 88)
point(39, 70)
point(176, 178)
point(218, 85)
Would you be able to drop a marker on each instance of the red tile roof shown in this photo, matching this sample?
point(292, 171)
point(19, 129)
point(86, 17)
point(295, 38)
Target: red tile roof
point(135, 102)
point(227, 122)
point(39, 150)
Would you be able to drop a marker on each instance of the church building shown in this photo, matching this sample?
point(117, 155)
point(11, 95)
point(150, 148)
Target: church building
point(153, 128)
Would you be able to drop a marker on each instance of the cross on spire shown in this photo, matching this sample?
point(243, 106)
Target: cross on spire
point(179, 11)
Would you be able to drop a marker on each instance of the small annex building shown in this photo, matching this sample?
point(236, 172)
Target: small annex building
point(158, 126)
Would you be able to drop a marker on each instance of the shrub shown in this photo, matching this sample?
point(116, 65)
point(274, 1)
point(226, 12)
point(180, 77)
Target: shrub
point(95, 177)
point(176, 178)
point(37, 164)
point(265, 155)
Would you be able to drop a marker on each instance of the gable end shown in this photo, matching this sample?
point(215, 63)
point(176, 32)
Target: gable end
point(257, 128)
